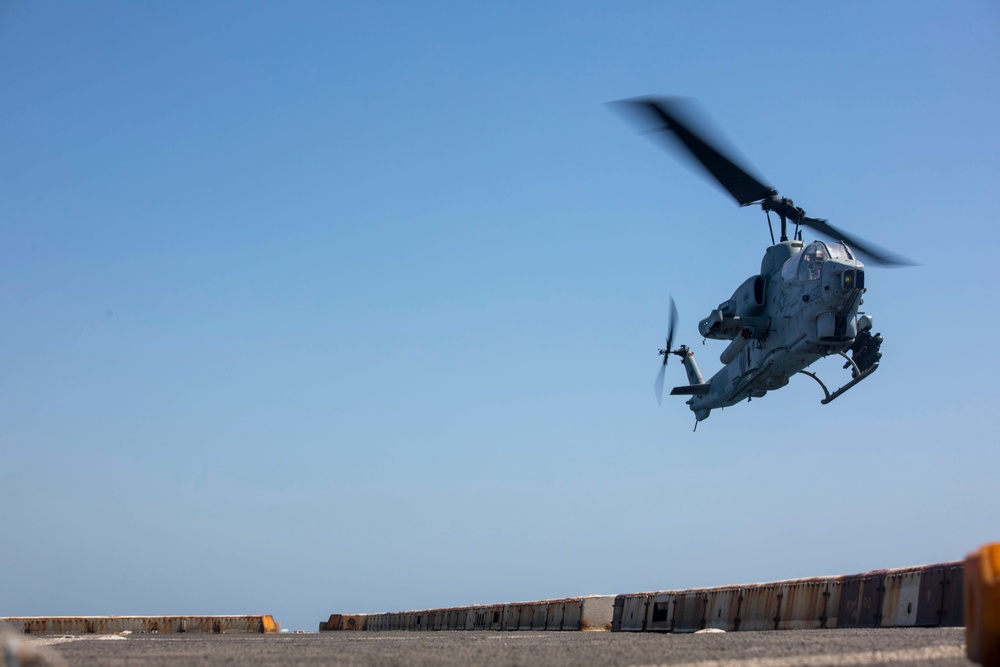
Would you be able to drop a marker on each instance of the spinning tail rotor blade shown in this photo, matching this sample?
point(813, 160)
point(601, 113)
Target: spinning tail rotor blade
point(673, 328)
point(663, 114)
point(658, 384)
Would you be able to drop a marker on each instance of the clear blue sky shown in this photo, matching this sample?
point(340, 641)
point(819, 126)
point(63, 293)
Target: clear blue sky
point(354, 307)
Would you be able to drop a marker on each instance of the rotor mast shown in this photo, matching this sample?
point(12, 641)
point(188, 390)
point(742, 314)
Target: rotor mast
point(785, 208)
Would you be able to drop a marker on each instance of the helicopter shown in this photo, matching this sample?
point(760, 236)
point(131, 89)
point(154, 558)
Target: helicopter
point(801, 307)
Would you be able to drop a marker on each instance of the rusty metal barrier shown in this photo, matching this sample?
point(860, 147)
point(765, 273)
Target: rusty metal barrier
point(586, 613)
point(660, 609)
point(941, 598)
point(526, 613)
point(861, 600)
point(723, 607)
point(928, 595)
point(617, 613)
point(806, 603)
point(690, 612)
point(349, 622)
point(634, 612)
point(109, 625)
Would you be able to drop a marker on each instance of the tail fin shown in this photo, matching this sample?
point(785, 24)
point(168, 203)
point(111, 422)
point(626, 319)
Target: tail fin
point(697, 386)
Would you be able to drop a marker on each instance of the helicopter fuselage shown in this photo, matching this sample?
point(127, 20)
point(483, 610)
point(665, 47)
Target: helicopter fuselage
point(803, 306)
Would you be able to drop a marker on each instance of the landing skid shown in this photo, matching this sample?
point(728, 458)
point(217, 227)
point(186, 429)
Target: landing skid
point(857, 378)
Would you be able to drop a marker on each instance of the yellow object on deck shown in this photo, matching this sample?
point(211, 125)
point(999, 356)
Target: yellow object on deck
point(982, 605)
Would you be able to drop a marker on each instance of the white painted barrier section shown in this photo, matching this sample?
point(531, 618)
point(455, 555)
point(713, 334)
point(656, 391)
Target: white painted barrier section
point(634, 612)
point(901, 597)
point(723, 606)
point(596, 614)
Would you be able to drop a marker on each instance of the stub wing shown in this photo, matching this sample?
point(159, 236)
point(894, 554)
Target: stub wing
point(690, 390)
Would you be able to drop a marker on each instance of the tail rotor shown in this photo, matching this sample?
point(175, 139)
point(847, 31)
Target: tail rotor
point(665, 353)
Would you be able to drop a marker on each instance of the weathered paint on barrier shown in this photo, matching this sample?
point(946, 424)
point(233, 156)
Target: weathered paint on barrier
point(807, 604)
point(586, 613)
point(554, 615)
point(861, 600)
point(350, 622)
point(901, 597)
point(634, 612)
point(923, 596)
point(511, 617)
point(108, 625)
point(723, 605)
point(760, 609)
point(618, 611)
point(941, 596)
point(594, 615)
point(572, 614)
point(928, 595)
point(690, 611)
point(539, 615)
point(659, 608)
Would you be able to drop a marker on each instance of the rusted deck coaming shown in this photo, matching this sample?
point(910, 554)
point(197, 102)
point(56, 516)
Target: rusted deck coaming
point(576, 614)
point(107, 625)
point(926, 596)
point(929, 595)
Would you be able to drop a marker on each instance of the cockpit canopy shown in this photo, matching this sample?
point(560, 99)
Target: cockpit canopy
point(808, 264)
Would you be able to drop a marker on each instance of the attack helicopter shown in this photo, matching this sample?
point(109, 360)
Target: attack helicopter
point(801, 307)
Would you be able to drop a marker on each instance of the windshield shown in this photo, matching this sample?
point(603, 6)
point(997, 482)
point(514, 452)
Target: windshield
point(839, 251)
point(808, 264)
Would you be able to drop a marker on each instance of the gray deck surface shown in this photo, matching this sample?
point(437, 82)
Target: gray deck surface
point(903, 647)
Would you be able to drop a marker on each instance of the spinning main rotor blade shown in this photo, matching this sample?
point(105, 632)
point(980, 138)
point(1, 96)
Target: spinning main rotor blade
point(664, 114)
point(870, 251)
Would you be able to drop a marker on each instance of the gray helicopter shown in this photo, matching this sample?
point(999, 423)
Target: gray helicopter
point(801, 307)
